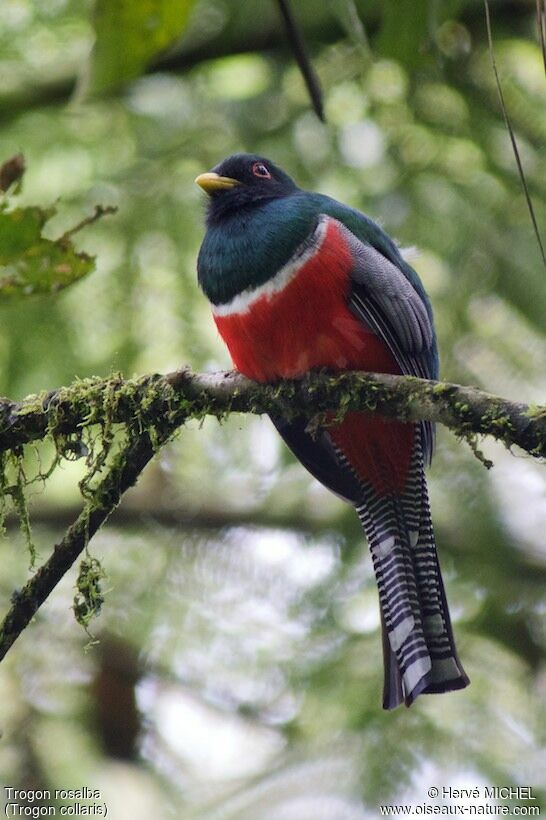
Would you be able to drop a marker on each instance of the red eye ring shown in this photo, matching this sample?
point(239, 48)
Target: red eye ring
point(260, 170)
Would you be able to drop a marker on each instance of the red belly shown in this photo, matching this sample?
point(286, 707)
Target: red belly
point(308, 325)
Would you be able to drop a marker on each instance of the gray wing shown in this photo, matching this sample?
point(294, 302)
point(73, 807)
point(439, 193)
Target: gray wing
point(385, 300)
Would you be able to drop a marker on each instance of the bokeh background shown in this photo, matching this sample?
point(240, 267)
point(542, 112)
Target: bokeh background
point(237, 672)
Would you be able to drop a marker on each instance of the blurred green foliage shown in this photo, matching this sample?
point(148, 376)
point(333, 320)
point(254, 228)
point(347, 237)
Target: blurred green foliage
point(239, 591)
point(129, 35)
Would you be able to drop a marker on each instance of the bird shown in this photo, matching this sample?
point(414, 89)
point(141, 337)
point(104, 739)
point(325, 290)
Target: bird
point(298, 281)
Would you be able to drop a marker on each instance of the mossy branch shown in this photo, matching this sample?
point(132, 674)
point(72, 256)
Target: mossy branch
point(152, 408)
point(123, 473)
point(184, 395)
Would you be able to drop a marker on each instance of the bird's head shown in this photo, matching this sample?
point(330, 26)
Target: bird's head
point(243, 181)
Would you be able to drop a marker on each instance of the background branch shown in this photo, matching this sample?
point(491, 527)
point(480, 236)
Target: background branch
point(297, 43)
point(261, 31)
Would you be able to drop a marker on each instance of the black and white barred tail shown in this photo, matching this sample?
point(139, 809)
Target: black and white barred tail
point(418, 645)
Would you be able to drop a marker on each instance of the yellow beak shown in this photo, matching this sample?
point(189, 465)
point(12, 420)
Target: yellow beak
point(212, 182)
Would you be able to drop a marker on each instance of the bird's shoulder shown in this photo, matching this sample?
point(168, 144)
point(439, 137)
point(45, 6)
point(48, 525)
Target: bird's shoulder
point(370, 234)
point(361, 226)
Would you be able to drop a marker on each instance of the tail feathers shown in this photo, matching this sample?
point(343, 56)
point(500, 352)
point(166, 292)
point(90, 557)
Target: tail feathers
point(447, 672)
point(418, 645)
point(407, 656)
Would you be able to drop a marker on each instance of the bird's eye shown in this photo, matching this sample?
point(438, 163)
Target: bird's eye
point(260, 170)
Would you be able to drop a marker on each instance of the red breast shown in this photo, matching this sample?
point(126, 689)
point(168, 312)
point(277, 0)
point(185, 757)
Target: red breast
point(306, 324)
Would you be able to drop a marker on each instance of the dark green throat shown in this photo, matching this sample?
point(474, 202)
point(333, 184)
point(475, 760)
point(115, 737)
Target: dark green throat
point(247, 247)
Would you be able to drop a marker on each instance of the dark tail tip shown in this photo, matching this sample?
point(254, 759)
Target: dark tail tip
point(439, 688)
point(437, 681)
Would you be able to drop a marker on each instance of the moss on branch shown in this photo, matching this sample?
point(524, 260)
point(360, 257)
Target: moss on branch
point(155, 401)
point(100, 502)
point(118, 424)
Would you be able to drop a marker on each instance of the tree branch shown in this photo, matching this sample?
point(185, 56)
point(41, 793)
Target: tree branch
point(124, 473)
point(183, 394)
point(153, 407)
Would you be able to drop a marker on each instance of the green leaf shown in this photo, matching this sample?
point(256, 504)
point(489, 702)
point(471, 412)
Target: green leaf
point(129, 35)
point(30, 263)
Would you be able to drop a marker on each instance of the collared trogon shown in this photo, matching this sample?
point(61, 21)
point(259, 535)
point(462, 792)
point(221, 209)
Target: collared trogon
point(298, 281)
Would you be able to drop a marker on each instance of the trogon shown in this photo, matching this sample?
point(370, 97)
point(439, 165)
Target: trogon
point(297, 281)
